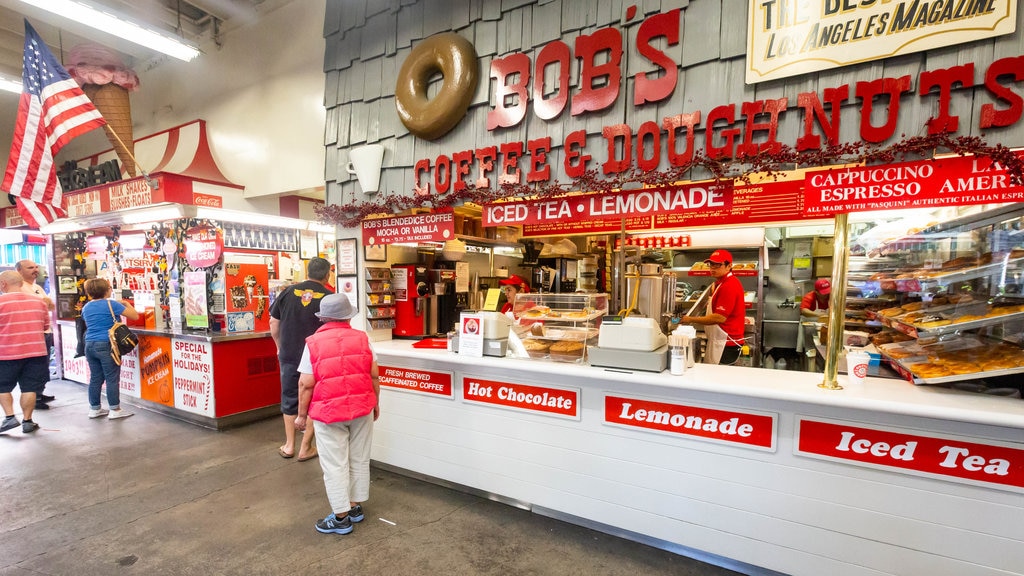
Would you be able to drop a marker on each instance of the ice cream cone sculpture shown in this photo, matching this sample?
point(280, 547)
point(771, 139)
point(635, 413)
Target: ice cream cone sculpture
point(106, 81)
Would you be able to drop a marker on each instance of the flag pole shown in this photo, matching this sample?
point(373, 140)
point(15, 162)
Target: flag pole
point(153, 183)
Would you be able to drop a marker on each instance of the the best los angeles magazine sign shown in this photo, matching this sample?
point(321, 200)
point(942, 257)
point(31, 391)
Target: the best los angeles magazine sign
point(789, 37)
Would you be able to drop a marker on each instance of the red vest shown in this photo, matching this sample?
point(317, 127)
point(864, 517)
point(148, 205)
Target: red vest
point(342, 361)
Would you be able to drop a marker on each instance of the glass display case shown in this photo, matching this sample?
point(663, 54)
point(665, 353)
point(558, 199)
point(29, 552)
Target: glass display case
point(559, 326)
point(947, 296)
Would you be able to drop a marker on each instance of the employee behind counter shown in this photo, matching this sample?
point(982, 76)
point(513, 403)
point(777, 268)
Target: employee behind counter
point(815, 302)
point(724, 320)
point(513, 285)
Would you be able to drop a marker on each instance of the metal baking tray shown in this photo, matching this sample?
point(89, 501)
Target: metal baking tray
point(903, 367)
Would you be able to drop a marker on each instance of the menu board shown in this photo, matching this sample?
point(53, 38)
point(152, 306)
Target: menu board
point(750, 204)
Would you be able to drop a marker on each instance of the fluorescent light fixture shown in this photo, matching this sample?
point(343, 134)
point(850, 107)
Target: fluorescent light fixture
point(10, 85)
point(155, 213)
point(260, 219)
point(118, 26)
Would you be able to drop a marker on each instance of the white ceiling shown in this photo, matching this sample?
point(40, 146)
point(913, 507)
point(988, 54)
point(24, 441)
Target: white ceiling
point(195, 20)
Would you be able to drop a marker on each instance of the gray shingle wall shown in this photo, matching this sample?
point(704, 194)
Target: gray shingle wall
point(367, 41)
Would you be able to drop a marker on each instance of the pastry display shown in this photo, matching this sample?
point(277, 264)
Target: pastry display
point(570, 350)
point(536, 348)
point(558, 326)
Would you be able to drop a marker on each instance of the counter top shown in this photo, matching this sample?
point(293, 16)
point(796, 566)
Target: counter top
point(877, 394)
point(197, 336)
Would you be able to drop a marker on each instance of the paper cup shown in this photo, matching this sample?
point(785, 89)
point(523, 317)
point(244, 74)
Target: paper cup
point(857, 367)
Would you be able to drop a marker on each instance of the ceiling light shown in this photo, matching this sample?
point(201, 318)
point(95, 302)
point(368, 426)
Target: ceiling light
point(118, 26)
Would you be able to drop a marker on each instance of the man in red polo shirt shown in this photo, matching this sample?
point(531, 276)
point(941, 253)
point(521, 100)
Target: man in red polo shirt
point(724, 319)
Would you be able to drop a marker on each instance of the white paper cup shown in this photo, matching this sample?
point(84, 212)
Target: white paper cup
point(857, 367)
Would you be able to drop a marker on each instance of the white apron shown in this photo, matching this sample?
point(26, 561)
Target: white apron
point(717, 338)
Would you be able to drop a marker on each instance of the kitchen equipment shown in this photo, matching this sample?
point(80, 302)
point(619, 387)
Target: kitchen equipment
point(445, 301)
point(496, 327)
point(415, 315)
point(631, 342)
point(630, 333)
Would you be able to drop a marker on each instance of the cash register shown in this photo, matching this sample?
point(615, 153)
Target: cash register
point(630, 342)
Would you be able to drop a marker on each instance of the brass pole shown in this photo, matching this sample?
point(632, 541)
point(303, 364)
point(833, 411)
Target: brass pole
point(837, 303)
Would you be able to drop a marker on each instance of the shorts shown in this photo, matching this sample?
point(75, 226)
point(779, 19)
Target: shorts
point(29, 374)
point(289, 389)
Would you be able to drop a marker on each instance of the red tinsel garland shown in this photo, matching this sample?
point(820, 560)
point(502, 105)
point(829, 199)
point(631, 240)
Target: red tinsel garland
point(767, 163)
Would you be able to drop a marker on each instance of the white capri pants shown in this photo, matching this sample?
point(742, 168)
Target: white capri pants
point(344, 449)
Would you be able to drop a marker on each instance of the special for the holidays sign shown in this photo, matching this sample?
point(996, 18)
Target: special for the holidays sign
point(193, 376)
point(435, 226)
point(946, 457)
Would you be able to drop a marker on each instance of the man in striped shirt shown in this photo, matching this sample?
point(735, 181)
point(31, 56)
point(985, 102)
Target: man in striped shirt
point(24, 360)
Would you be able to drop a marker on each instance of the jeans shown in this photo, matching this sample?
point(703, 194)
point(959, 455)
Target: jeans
point(103, 368)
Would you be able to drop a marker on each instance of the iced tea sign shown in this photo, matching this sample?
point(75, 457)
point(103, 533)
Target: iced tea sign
point(945, 457)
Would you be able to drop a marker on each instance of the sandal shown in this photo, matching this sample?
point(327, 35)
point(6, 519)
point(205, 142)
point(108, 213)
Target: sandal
point(283, 453)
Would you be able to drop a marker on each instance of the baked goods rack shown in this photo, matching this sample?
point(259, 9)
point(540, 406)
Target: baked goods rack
point(956, 360)
point(380, 298)
point(556, 326)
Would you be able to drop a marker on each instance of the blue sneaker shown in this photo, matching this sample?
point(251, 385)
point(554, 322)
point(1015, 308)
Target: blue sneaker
point(355, 513)
point(331, 525)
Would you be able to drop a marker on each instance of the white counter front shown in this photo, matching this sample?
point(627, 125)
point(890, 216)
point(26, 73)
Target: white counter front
point(759, 470)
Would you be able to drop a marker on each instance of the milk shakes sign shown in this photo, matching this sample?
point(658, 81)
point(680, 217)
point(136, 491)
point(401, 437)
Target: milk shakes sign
point(791, 37)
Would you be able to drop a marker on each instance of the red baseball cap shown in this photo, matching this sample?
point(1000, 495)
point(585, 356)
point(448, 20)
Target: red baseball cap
point(719, 256)
point(517, 281)
point(823, 286)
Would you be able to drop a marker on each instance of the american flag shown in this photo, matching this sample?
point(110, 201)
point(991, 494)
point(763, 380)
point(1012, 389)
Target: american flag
point(53, 111)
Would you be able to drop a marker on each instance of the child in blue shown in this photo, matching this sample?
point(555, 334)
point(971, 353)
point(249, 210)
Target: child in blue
point(100, 313)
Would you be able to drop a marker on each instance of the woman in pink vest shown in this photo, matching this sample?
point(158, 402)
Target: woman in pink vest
point(338, 391)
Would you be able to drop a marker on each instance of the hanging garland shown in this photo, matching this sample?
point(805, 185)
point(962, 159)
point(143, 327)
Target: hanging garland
point(769, 164)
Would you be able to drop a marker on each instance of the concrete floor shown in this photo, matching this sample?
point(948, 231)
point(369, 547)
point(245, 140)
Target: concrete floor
point(152, 495)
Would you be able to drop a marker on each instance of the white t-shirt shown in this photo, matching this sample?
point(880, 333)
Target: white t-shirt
point(36, 290)
point(306, 365)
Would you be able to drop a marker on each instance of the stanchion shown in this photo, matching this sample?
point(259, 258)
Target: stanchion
point(837, 303)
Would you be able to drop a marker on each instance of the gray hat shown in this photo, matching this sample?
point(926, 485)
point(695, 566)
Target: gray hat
point(336, 307)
